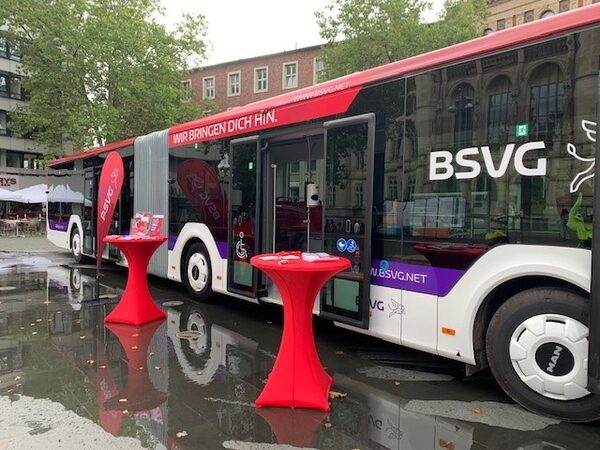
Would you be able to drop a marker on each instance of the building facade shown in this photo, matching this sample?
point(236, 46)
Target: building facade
point(20, 158)
point(244, 81)
point(510, 13)
point(237, 83)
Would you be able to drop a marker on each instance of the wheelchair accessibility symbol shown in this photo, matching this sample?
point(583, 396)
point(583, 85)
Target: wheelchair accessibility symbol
point(351, 246)
point(240, 248)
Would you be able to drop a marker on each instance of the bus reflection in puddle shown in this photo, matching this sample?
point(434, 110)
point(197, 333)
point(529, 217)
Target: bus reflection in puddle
point(220, 377)
point(366, 413)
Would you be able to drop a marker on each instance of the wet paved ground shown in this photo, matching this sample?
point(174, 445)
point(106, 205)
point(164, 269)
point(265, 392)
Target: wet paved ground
point(67, 381)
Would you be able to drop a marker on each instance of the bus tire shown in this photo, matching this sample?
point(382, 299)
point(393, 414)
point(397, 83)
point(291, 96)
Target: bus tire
point(197, 273)
point(76, 245)
point(537, 347)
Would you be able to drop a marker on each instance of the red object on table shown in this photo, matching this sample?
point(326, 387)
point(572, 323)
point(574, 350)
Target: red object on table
point(136, 306)
point(298, 379)
point(139, 392)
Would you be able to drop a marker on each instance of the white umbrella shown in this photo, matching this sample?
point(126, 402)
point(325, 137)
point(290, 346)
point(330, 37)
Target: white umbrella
point(9, 196)
point(33, 194)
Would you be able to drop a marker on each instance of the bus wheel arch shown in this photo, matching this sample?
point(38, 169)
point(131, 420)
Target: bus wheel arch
point(536, 344)
point(196, 270)
point(498, 296)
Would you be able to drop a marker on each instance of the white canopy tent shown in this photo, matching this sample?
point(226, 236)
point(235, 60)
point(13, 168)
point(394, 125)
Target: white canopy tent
point(64, 194)
point(32, 194)
point(9, 196)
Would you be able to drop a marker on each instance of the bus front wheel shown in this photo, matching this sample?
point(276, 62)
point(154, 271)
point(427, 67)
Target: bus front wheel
point(76, 245)
point(197, 273)
point(537, 348)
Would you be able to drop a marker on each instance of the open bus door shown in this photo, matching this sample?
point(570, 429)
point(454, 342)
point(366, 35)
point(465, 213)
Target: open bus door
point(89, 215)
point(594, 326)
point(243, 227)
point(346, 297)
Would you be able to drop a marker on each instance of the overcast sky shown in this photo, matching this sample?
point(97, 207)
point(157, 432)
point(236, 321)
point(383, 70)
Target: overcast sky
point(240, 29)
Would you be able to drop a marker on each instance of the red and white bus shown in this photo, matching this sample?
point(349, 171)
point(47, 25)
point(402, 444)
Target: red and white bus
point(458, 182)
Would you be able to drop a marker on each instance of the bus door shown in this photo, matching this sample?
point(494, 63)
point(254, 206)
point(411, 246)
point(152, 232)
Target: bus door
point(89, 210)
point(244, 215)
point(293, 208)
point(349, 149)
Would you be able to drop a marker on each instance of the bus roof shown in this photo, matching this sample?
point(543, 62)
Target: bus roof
point(93, 151)
point(335, 96)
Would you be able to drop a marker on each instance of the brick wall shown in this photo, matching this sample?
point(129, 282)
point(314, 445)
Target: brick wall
point(274, 62)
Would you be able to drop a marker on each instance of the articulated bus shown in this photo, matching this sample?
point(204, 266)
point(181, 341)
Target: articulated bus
point(459, 183)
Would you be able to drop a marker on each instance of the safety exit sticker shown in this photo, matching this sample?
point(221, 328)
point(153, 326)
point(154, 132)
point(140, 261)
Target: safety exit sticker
point(522, 130)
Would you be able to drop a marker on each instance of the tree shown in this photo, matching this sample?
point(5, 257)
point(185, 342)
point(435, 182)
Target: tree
point(97, 71)
point(366, 33)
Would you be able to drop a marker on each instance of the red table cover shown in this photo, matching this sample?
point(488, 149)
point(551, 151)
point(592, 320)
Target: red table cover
point(136, 306)
point(298, 378)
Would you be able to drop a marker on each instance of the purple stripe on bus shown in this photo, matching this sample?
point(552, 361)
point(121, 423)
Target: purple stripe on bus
point(413, 277)
point(222, 247)
point(57, 225)
point(171, 241)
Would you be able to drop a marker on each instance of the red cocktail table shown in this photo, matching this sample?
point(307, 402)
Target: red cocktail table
point(136, 306)
point(298, 379)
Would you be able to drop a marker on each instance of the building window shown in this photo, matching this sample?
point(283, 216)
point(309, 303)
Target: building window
point(358, 195)
point(462, 109)
point(563, 5)
point(295, 167)
point(290, 75)
point(392, 188)
point(547, 13)
point(501, 24)
point(14, 159)
point(186, 86)
point(14, 50)
point(3, 85)
point(261, 76)
point(498, 109)
point(318, 71)
point(208, 87)
point(15, 87)
point(528, 16)
point(546, 91)
point(360, 159)
point(233, 84)
point(3, 128)
point(411, 185)
point(331, 196)
point(3, 47)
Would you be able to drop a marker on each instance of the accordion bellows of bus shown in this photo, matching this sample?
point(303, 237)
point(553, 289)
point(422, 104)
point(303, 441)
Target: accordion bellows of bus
point(460, 184)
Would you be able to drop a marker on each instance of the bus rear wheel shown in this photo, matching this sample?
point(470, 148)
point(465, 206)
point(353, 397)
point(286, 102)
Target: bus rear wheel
point(537, 348)
point(76, 245)
point(197, 273)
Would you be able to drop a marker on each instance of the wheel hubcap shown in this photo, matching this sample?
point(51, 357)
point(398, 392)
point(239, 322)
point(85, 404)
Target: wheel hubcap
point(549, 353)
point(197, 272)
point(76, 244)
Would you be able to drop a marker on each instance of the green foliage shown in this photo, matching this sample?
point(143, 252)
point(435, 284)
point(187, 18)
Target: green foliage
point(100, 70)
point(366, 33)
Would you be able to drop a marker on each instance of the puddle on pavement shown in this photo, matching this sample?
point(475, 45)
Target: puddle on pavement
point(191, 380)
